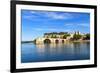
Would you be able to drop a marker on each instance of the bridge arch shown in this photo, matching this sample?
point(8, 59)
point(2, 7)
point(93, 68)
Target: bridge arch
point(56, 41)
point(63, 41)
point(47, 41)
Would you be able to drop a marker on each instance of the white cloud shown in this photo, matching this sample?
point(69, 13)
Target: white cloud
point(56, 15)
point(69, 24)
point(51, 15)
point(51, 29)
point(84, 25)
point(42, 29)
point(77, 24)
point(33, 12)
point(27, 16)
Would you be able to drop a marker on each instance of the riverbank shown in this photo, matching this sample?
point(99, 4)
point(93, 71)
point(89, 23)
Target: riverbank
point(59, 43)
point(26, 41)
point(80, 41)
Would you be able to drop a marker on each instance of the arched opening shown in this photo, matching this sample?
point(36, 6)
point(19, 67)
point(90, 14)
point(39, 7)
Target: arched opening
point(56, 41)
point(47, 41)
point(62, 41)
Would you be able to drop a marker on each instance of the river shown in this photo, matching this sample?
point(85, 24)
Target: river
point(31, 52)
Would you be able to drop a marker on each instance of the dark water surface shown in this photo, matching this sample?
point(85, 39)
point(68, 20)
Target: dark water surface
point(31, 52)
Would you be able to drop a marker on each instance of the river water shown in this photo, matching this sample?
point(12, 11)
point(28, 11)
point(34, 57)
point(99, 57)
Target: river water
point(31, 52)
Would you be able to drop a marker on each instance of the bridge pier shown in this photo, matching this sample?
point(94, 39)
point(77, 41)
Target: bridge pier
point(52, 40)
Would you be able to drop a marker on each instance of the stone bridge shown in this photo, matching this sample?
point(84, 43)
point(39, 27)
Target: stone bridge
point(50, 40)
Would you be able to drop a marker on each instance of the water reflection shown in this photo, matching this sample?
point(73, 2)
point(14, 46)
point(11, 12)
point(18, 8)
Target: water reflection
point(55, 52)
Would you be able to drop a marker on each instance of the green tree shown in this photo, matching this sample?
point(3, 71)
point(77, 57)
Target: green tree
point(65, 36)
point(87, 36)
point(53, 36)
point(77, 36)
point(34, 41)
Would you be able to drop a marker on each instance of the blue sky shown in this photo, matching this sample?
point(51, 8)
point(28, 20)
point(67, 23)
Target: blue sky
point(36, 23)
